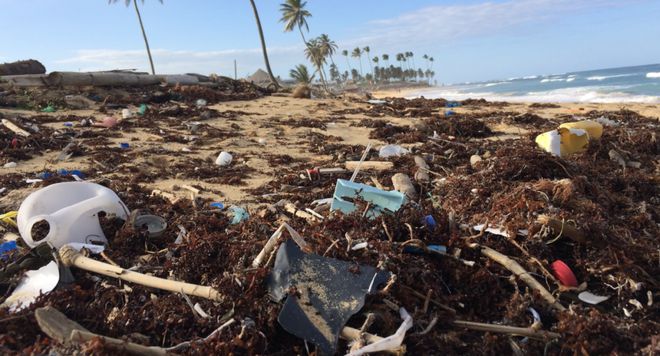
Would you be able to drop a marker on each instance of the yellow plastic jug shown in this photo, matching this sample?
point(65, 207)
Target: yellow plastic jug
point(593, 128)
point(563, 141)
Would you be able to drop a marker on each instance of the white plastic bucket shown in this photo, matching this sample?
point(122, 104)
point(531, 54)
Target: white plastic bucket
point(71, 210)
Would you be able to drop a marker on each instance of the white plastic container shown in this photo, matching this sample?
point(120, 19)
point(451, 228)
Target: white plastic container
point(224, 159)
point(71, 210)
point(126, 114)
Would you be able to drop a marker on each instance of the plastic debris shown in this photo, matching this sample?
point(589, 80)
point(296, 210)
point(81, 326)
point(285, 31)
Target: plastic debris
point(377, 101)
point(381, 201)
point(49, 109)
point(217, 205)
point(591, 298)
point(155, 224)
point(607, 122)
point(391, 151)
point(124, 145)
point(10, 165)
point(390, 342)
point(429, 222)
point(328, 293)
point(564, 274)
point(34, 284)
point(569, 138)
point(450, 113)
point(360, 246)
point(126, 114)
point(142, 109)
point(6, 248)
point(593, 128)
point(68, 124)
point(70, 212)
point(238, 214)
point(452, 104)
point(8, 218)
point(107, 122)
point(200, 103)
point(224, 159)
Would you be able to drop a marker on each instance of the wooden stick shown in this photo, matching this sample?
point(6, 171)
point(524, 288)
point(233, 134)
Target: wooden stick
point(528, 332)
point(66, 331)
point(349, 333)
point(561, 227)
point(300, 213)
point(17, 130)
point(375, 165)
point(268, 247)
point(71, 257)
point(520, 272)
point(422, 174)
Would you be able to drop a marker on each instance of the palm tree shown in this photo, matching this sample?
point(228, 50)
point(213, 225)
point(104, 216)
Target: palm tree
point(357, 53)
point(294, 15)
point(345, 54)
point(386, 59)
point(263, 45)
point(375, 59)
point(400, 57)
point(426, 60)
point(431, 60)
point(314, 53)
point(301, 75)
point(328, 46)
point(366, 50)
point(144, 34)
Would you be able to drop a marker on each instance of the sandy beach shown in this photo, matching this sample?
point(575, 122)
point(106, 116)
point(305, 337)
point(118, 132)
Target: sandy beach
point(483, 167)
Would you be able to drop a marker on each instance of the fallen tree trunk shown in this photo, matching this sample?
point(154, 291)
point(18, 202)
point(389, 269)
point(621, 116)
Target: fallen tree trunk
point(29, 66)
point(27, 80)
point(101, 79)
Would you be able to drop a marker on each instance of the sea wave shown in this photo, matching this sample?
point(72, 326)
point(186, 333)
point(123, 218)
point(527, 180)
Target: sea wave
point(496, 83)
point(653, 75)
point(579, 94)
point(548, 80)
point(603, 77)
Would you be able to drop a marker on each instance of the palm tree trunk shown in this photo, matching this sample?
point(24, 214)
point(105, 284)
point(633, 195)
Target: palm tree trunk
point(144, 35)
point(360, 58)
point(263, 45)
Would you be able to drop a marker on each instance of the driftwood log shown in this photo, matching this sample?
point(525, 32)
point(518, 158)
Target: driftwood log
point(29, 66)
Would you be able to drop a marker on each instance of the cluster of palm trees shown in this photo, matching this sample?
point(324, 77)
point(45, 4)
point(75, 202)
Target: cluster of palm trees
point(320, 50)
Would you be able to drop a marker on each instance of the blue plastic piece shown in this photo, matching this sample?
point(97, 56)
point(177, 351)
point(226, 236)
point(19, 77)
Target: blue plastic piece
point(239, 214)
point(453, 104)
point(64, 172)
point(124, 145)
point(440, 249)
point(7, 247)
point(449, 113)
point(429, 221)
point(68, 124)
point(381, 201)
point(217, 205)
point(44, 175)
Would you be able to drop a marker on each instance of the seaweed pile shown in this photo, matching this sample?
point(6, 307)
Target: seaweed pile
point(513, 187)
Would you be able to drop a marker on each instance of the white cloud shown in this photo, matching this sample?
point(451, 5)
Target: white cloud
point(442, 23)
point(173, 61)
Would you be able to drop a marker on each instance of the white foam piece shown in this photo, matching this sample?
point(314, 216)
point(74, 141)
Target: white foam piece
point(32, 286)
point(591, 298)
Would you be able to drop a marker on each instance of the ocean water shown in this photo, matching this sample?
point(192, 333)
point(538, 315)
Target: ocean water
point(639, 84)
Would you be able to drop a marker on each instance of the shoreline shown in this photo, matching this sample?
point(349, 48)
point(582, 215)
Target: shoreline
point(646, 109)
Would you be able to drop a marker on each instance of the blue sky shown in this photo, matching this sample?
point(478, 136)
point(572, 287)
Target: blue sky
point(470, 40)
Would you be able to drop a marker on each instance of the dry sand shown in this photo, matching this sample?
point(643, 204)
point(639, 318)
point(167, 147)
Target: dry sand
point(281, 139)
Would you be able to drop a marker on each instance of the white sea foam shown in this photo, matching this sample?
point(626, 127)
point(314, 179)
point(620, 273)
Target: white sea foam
point(653, 75)
point(579, 94)
point(548, 80)
point(497, 83)
point(603, 77)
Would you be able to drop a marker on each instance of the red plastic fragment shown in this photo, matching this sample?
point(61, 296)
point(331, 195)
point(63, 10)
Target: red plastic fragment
point(564, 274)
